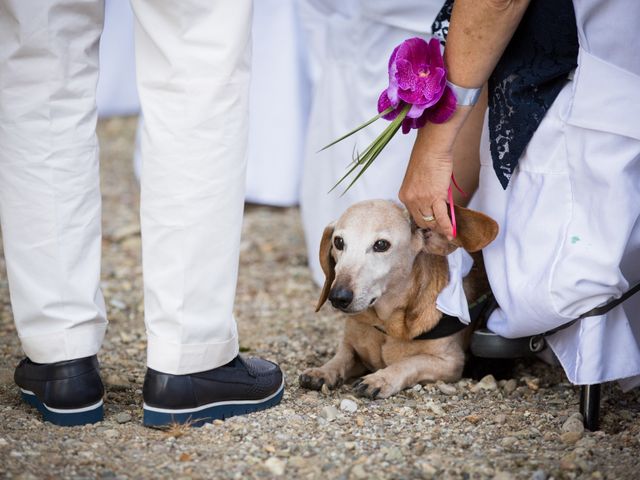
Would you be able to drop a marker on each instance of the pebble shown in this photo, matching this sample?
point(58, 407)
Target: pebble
point(510, 386)
point(329, 413)
point(123, 417)
point(500, 418)
point(111, 433)
point(508, 441)
point(570, 437)
point(3, 442)
point(275, 466)
point(347, 405)
point(573, 424)
point(447, 388)
point(358, 472)
point(503, 476)
point(486, 383)
point(539, 475)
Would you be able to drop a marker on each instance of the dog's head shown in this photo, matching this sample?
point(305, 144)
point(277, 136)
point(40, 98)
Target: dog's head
point(373, 246)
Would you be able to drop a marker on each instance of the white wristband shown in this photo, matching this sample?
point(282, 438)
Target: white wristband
point(465, 96)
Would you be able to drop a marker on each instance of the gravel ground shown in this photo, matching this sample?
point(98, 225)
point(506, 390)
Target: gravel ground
point(520, 427)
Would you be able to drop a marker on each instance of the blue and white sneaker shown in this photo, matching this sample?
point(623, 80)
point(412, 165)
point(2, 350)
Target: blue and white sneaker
point(66, 393)
point(239, 387)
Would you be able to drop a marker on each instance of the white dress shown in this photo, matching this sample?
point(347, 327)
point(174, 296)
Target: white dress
point(570, 235)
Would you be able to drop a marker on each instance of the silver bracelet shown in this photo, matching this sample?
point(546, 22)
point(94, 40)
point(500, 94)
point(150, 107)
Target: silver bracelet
point(465, 96)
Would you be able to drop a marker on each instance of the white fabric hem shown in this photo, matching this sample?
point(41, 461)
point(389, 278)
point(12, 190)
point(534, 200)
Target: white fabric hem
point(77, 342)
point(183, 359)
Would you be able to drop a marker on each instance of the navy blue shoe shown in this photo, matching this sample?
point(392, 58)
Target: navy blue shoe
point(239, 387)
point(66, 393)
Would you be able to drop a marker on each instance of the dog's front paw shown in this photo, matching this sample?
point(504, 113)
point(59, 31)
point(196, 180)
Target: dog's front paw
point(314, 378)
point(374, 386)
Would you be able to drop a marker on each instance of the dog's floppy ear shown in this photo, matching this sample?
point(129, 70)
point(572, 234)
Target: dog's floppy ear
point(327, 263)
point(475, 230)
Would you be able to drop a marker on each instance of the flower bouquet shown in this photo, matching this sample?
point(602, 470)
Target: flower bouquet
point(417, 93)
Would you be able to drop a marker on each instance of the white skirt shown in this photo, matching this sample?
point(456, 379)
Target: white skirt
point(569, 233)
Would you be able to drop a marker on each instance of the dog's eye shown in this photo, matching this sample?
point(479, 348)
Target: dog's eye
point(338, 242)
point(381, 246)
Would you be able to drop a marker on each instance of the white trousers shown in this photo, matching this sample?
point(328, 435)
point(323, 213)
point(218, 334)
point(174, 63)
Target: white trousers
point(569, 236)
point(193, 78)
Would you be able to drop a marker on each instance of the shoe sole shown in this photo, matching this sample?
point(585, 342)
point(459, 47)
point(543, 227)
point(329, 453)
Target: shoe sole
point(63, 416)
point(196, 417)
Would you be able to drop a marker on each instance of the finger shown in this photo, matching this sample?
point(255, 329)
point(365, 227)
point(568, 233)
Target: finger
point(441, 213)
point(419, 215)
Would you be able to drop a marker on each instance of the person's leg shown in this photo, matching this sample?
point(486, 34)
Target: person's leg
point(193, 79)
point(49, 184)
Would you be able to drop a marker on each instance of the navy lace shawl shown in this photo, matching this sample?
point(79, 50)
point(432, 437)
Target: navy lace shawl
point(527, 78)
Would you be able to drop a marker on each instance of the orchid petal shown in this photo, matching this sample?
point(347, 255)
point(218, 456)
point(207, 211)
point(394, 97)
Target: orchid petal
point(435, 53)
point(442, 111)
point(384, 103)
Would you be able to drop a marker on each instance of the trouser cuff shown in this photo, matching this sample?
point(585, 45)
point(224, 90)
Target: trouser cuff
point(179, 359)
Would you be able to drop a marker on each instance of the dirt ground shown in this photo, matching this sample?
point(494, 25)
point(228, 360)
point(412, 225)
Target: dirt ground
point(511, 428)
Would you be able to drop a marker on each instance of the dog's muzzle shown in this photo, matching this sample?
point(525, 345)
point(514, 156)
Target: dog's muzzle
point(341, 297)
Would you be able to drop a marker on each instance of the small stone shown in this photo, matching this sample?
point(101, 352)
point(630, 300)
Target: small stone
point(123, 417)
point(570, 437)
point(508, 441)
point(568, 462)
point(119, 304)
point(275, 466)
point(329, 413)
point(503, 476)
point(3, 442)
point(573, 424)
point(347, 405)
point(358, 472)
point(436, 409)
point(447, 388)
point(510, 386)
point(111, 433)
point(539, 475)
point(500, 418)
point(394, 454)
point(417, 388)
point(428, 470)
point(126, 231)
point(586, 443)
point(532, 383)
point(297, 462)
point(486, 383)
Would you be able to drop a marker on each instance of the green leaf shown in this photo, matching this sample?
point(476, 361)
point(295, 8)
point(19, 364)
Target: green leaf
point(357, 129)
point(372, 151)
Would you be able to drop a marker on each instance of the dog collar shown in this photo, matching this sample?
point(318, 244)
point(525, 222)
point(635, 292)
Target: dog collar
point(448, 324)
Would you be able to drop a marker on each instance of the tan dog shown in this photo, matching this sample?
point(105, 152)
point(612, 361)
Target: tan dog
point(386, 275)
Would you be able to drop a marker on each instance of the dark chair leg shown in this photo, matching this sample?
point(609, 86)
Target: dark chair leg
point(590, 406)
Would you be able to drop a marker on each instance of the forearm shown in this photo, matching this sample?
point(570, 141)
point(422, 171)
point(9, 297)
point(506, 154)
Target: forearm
point(478, 35)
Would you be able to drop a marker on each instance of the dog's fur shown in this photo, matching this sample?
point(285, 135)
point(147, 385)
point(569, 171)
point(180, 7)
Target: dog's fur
point(395, 290)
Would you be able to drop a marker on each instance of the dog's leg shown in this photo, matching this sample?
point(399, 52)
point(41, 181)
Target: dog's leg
point(408, 372)
point(344, 365)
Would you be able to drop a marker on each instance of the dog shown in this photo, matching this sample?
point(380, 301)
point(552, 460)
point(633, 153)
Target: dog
point(386, 274)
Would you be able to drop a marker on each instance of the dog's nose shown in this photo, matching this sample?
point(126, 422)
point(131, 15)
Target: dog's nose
point(340, 297)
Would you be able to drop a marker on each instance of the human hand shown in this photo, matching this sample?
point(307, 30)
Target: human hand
point(425, 187)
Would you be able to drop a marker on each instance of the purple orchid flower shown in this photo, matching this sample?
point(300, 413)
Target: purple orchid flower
point(417, 77)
